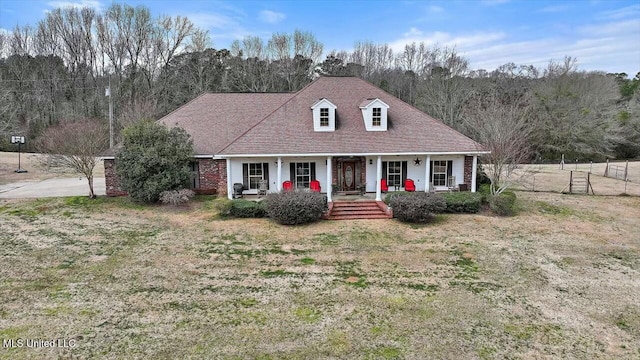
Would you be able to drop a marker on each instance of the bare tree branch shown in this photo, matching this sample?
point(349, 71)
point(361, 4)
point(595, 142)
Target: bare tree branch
point(75, 145)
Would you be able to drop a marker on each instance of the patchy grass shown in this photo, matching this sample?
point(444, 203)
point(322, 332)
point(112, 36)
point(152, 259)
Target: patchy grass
point(125, 280)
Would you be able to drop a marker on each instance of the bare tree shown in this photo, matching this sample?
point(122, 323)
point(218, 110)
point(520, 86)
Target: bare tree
point(75, 145)
point(503, 129)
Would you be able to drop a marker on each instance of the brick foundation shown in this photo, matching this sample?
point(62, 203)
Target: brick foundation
point(111, 179)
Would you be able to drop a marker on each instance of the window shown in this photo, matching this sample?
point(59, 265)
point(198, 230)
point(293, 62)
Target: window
point(324, 116)
point(302, 173)
point(377, 116)
point(252, 173)
point(395, 172)
point(439, 173)
point(195, 175)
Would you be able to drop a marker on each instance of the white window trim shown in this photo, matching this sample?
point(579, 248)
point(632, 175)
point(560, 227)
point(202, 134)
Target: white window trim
point(398, 174)
point(256, 166)
point(375, 117)
point(325, 117)
point(296, 175)
point(439, 173)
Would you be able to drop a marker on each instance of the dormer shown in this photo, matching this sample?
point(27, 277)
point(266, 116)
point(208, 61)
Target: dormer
point(374, 114)
point(324, 115)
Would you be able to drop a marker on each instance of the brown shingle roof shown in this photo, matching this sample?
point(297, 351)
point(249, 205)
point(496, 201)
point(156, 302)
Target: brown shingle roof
point(214, 120)
point(289, 128)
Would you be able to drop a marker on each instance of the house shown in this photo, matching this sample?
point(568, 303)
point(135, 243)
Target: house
point(341, 131)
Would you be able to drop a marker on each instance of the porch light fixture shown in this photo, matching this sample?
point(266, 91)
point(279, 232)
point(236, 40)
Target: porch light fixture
point(417, 161)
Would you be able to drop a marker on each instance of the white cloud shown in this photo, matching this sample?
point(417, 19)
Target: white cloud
point(470, 41)
point(629, 11)
point(554, 9)
point(271, 17)
point(620, 28)
point(494, 2)
point(223, 28)
point(436, 9)
point(413, 32)
point(75, 3)
point(609, 46)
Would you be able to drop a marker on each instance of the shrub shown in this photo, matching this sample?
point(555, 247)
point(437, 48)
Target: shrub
point(503, 204)
point(295, 207)
point(223, 206)
point(393, 194)
point(241, 208)
point(463, 202)
point(176, 197)
point(153, 159)
point(419, 207)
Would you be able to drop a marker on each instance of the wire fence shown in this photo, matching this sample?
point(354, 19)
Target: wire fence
point(609, 178)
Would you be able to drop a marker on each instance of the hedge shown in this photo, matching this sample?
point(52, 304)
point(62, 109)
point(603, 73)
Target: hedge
point(463, 202)
point(418, 208)
point(503, 204)
point(241, 208)
point(295, 207)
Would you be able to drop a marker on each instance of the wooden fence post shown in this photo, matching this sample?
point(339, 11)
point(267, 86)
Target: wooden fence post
point(626, 171)
point(570, 182)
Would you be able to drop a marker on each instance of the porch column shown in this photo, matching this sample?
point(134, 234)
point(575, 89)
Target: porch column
point(427, 172)
point(329, 178)
point(378, 184)
point(229, 182)
point(474, 170)
point(279, 187)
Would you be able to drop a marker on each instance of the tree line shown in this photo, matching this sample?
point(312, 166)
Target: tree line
point(57, 71)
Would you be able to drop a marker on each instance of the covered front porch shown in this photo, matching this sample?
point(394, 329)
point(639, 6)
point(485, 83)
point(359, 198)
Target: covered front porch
point(342, 175)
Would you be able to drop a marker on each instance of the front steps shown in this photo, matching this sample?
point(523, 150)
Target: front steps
point(348, 210)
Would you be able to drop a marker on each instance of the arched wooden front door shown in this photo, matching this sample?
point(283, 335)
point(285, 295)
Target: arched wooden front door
point(348, 176)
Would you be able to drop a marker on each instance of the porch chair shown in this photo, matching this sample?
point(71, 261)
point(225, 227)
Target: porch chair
point(409, 185)
point(383, 185)
point(451, 184)
point(314, 186)
point(263, 186)
point(287, 185)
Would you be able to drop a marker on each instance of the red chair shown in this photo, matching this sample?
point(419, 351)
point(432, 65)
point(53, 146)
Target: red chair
point(409, 185)
point(314, 185)
point(287, 185)
point(383, 185)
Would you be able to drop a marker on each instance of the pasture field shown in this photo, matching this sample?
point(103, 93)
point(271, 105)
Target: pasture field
point(551, 178)
point(559, 280)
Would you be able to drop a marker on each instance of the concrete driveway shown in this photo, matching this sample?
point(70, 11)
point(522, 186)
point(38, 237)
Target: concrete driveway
point(51, 188)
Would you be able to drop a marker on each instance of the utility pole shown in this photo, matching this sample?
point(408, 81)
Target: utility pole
point(108, 93)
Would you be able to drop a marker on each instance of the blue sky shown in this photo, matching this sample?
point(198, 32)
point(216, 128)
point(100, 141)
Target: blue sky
point(603, 35)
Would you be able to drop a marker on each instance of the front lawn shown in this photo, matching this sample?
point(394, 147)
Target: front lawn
point(561, 279)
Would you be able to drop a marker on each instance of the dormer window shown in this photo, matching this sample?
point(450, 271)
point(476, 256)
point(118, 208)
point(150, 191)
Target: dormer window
point(374, 114)
point(377, 117)
point(324, 117)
